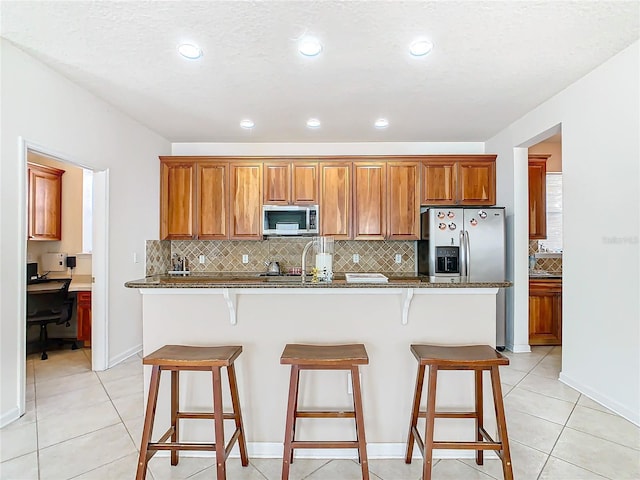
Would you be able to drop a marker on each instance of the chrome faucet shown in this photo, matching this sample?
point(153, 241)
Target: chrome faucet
point(303, 271)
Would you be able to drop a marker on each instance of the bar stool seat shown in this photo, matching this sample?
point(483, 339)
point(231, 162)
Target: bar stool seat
point(176, 358)
point(324, 357)
point(474, 357)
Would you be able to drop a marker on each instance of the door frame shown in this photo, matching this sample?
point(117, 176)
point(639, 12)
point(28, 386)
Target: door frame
point(99, 258)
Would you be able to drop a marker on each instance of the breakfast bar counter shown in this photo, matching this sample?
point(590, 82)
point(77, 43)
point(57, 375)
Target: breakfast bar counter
point(263, 315)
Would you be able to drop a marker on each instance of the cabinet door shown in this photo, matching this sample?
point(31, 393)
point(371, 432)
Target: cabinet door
point(369, 201)
point(538, 198)
point(439, 182)
point(177, 200)
point(304, 184)
point(403, 185)
point(277, 183)
point(545, 312)
point(45, 203)
point(246, 197)
point(83, 314)
point(476, 182)
point(335, 199)
point(213, 201)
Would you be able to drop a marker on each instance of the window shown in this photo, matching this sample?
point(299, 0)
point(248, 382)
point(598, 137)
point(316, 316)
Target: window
point(87, 210)
point(553, 243)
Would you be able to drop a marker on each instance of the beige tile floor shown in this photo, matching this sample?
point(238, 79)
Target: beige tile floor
point(86, 425)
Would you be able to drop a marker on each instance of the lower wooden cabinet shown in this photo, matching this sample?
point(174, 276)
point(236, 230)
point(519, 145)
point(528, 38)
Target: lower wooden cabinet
point(84, 317)
point(545, 311)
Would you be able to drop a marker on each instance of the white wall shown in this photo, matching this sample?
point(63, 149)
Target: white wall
point(600, 121)
point(47, 110)
point(369, 148)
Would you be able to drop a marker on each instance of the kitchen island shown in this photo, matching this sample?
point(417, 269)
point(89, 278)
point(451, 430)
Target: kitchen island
point(264, 314)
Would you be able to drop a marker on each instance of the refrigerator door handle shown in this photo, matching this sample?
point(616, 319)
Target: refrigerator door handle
point(467, 253)
point(463, 255)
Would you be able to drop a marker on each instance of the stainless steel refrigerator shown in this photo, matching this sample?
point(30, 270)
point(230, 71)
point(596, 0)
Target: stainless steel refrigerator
point(466, 242)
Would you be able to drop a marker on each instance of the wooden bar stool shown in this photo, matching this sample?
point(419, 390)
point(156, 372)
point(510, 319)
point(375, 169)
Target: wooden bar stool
point(176, 358)
point(476, 358)
point(324, 357)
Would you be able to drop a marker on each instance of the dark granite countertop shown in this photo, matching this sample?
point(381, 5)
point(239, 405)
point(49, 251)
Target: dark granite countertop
point(543, 274)
point(255, 280)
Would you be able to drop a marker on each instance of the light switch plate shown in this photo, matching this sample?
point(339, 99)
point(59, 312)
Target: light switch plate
point(245, 258)
point(201, 259)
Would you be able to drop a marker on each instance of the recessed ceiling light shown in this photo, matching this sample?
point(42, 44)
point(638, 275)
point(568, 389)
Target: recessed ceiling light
point(381, 123)
point(246, 123)
point(420, 48)
point(313, 123)
point(190, 51)
point(309, 46)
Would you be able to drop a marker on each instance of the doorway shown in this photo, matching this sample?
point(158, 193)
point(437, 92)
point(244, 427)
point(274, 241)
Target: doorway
point(90, 261)
point(545, 242)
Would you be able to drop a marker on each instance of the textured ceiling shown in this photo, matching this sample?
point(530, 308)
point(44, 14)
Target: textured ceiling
point(493, 61)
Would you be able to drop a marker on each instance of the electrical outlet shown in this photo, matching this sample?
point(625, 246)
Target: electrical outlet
point(201, 259)
point(245, 258)
point(398, 258)
point(356, 258)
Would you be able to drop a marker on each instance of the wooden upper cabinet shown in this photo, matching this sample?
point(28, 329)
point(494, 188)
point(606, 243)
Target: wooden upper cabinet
point(439, 182)
point(213, 200)
point(335, 199)
point(304, 183)
point(44, 202)
point(459, 180)
point(246, 198)
point(403, 205)
point(369, 201)
point(477, 182)
point(177, 200)
point(545, 311)
point(538, 196)
point(277, 183)
point(287, 183)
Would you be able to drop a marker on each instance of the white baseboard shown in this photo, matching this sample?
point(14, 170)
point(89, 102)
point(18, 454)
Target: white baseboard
point(632, 415)
point(375, 451)
point(518, 348)
point(124, 355)
point(10, 416)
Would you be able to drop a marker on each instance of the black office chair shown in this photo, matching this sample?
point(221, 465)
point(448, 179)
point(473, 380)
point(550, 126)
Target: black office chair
point(50, 304)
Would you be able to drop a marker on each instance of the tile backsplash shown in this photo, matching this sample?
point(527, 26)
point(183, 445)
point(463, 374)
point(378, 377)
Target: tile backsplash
point(226, 255)
point(553, 265)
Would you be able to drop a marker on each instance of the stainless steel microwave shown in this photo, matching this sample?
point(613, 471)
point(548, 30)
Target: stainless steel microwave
point(290, 220)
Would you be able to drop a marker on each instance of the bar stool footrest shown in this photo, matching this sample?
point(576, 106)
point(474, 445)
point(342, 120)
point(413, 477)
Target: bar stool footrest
point(325, 414)
point(203, 415)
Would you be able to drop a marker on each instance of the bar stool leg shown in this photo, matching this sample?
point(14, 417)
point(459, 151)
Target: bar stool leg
point(479, 415)
point(430, 423)
point(357, 403)
point(175, 406)
point(507, 468)
point(291, 415)
point(237, 415)
point(219, 424)
point(149, 417)
point(417, 396)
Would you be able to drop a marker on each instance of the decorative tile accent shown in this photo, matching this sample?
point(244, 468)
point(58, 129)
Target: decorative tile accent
point(226, 255)
point(553, 265)
point(158, 257)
